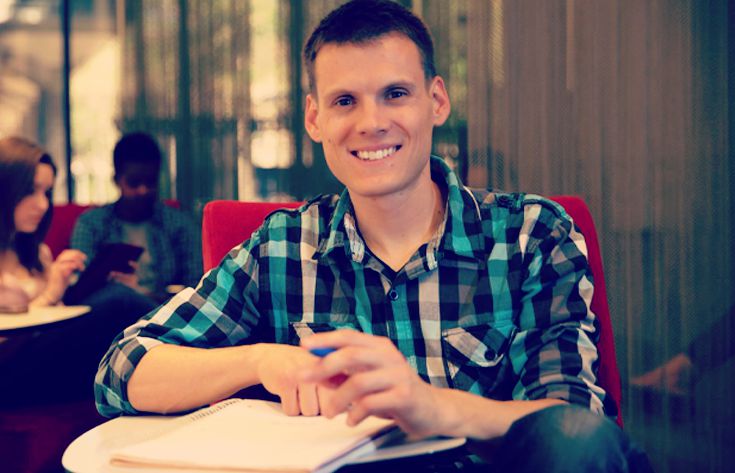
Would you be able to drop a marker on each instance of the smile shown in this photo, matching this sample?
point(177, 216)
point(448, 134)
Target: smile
point(375, 155)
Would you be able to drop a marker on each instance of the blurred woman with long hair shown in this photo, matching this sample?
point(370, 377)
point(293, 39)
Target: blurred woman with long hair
point(27, 176)
point(57, 361)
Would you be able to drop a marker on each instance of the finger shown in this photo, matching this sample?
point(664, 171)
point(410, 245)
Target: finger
point(350, 360)
point(66, 271)
point(73, 255)
point(308, 399)
point(379, 404)
point(334, 382)
point(359, 386)
point(290, 402)
point(324, 396)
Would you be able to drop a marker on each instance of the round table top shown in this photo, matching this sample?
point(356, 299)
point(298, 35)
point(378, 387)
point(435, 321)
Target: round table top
point(38, 316)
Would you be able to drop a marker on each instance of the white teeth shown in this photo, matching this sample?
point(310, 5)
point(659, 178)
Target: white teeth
point(375, 155)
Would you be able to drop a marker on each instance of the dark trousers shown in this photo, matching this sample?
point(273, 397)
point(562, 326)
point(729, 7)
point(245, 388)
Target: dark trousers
point(567, 439)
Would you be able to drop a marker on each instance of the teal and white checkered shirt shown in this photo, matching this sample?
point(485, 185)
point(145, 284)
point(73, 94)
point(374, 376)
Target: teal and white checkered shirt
point(497, 303)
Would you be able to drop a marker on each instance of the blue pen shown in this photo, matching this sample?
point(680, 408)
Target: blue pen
point(322, 351)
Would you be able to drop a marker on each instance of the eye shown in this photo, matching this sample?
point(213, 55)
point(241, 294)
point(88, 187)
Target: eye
point(344, 101)
point(396, 93)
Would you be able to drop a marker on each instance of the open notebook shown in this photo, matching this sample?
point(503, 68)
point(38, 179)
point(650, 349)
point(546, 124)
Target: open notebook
point(246, 435)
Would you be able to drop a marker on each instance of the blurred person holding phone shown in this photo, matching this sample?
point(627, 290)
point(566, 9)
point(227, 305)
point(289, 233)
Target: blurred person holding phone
point(30, 277)
point(169, 237)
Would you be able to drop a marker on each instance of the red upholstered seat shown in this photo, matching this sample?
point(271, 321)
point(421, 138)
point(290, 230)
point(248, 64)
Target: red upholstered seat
point(65, 216)
point(607, 373)
point(62, 225)
point(229, 223)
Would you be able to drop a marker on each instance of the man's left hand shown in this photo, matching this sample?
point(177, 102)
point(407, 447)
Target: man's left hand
point(369, 376)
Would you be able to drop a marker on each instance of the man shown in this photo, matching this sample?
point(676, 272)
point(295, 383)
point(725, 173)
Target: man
point(171, 240)
point(470, 309)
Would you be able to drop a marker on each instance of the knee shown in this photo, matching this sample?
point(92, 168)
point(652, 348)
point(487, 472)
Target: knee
point(569, 438)
point(567, 426)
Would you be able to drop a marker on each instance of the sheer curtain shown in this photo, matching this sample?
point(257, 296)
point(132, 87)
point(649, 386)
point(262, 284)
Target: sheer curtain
point(626, 104)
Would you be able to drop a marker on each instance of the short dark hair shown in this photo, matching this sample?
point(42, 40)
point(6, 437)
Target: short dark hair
point(19, 159)
point(136, 147)
point(361, 21)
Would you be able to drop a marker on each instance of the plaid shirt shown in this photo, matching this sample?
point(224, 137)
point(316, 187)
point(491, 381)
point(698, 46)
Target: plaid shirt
point(174, 241)
point(497, 303)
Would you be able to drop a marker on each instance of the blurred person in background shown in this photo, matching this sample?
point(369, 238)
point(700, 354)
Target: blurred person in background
point(170, 238)
point(60, 360)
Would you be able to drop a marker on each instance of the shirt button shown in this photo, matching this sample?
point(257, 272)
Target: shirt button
point(393, 295)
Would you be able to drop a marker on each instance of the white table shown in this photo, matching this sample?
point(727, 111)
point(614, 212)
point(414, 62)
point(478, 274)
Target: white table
point(91, 451)
point(39, 316)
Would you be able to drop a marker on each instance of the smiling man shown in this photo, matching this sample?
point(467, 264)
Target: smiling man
point(454, 311)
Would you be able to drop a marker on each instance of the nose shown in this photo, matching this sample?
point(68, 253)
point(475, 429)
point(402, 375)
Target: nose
point(372, 118)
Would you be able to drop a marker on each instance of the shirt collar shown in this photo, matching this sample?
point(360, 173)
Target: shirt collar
point(460, 233)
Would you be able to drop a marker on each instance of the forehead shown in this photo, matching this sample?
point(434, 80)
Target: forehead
point(44, 174)
point(388, 58)
point(135, 169)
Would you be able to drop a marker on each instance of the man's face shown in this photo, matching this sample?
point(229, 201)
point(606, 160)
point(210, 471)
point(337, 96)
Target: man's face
point(374, 112)
point(138, 183)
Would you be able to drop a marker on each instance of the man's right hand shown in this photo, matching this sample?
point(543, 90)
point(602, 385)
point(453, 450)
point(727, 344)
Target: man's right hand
point(279, 368)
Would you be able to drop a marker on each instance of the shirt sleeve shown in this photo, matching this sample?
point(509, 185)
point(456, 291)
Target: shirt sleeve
point(83, 236)
point(554, 352)
point(221, 311)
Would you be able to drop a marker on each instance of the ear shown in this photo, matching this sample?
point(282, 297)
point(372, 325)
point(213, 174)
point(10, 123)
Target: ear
point(440, 101)
point(311, 113)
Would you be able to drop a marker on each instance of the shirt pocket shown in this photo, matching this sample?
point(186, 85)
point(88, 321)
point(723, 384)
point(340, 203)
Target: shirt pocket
point(299, 330)
point(477, 356)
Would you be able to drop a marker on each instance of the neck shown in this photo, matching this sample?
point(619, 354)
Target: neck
point(394, 228)
point(133, 213)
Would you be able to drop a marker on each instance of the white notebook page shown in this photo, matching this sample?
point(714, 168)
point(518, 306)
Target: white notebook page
point(251, 435)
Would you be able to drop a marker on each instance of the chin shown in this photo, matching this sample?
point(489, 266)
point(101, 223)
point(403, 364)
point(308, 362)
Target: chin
point(26, 228)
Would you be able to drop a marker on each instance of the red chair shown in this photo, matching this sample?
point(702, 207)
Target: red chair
point(62, 225)
point(607, 372)
point(65, 217)
point(243, 218)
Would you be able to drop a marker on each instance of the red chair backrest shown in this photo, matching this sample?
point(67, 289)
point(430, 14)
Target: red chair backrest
point(65, 217)
point(62, 225)
point(607, 374)
point(242, 218)
point(229, 223)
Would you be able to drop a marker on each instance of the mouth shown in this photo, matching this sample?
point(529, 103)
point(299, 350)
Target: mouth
point(375, 154)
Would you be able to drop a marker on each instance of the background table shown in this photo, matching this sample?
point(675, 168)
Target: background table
point(39, 316)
